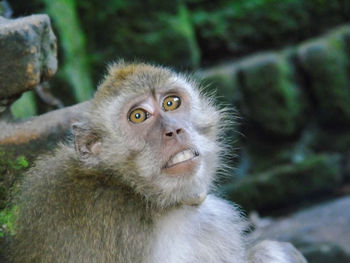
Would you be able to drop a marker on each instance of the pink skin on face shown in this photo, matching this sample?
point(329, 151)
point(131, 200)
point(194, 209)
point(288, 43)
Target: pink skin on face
point(179, 157)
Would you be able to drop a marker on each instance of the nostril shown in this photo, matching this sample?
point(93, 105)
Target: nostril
point(173, 132)
point(169, 134)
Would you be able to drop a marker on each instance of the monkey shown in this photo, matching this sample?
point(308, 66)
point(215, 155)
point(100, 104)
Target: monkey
point(135, 183)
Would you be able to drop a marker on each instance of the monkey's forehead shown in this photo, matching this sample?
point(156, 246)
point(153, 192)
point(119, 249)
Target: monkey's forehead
point(122, 71)
point(138, 78)
point(141, 73)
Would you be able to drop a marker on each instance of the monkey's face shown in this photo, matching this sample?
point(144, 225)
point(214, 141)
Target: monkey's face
point(160, 137)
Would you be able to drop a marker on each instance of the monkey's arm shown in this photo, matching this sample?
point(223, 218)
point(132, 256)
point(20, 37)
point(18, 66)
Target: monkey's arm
point(274, 252)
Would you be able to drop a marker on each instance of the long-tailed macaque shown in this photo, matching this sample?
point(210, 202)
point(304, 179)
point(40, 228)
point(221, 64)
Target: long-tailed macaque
point(135, 183)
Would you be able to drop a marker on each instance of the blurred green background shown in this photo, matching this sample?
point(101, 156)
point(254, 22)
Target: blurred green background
point(283, 65)
point(186, 35)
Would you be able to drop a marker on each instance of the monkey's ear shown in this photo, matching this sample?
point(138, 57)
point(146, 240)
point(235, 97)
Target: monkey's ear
point(87, 142)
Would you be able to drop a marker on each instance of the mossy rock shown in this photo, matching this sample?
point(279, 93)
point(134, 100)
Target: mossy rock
point(286, 184)
point(222, 81)
point(331, 140)
point(343, 33)
point(264, 154)
point(326, 65)
point(271, 96)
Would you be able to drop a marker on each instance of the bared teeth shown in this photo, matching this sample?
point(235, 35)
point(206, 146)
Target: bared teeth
point(181, 157)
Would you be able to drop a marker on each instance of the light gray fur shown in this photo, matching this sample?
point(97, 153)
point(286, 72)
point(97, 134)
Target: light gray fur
point(118, 205)
point(275, 252)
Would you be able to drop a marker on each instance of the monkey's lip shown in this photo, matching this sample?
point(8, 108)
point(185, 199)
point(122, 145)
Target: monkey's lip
point(182, 157)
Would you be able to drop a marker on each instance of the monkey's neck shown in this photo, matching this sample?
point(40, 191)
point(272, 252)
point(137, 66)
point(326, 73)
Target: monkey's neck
point(99, 180)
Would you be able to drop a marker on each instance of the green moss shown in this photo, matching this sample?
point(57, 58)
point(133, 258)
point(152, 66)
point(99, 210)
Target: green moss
point(326, 65)
point(7, 220)
point(12, 167)
point(21, 162)
point(18, 164)
point(272, 98)
point(222, 80)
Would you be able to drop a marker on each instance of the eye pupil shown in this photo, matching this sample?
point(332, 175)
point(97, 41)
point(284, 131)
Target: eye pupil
point(138, 115)
point(171, 103)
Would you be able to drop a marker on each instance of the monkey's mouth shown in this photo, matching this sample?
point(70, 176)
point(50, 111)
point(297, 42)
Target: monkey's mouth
point(182, 157)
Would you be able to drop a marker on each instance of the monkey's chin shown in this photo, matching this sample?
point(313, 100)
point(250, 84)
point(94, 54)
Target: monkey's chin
point(186, 168)
point(195, 200)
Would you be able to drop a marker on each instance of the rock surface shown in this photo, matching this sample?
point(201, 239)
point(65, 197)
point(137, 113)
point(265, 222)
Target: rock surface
point(271, 96)
point(325, 63)
point(286, 184)
point(27, 54)
point(321, 232)
point(37, 129)
point(293, 104)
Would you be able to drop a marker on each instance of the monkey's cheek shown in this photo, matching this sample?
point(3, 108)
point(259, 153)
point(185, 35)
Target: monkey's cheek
point(187, 168)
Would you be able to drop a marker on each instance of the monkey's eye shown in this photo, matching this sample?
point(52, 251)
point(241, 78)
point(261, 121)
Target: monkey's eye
point(171, 103)
point(138, 116)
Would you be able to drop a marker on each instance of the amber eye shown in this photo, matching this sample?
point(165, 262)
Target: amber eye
point(171, 103)
point(138, 116)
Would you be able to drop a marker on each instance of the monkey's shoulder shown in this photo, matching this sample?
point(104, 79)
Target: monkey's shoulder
point(184, 233)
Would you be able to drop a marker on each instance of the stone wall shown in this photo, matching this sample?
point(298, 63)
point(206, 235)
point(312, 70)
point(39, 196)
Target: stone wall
point(294, 106)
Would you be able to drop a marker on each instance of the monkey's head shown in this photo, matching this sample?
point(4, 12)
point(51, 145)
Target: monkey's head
point(154, 130)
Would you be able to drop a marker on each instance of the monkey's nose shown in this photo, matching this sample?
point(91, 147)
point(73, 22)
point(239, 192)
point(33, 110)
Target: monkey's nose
point(170, 133)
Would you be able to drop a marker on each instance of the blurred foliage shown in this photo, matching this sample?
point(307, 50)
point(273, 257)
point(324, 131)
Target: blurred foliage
point(185, 34)
point(155, 31)
point(235, 28)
